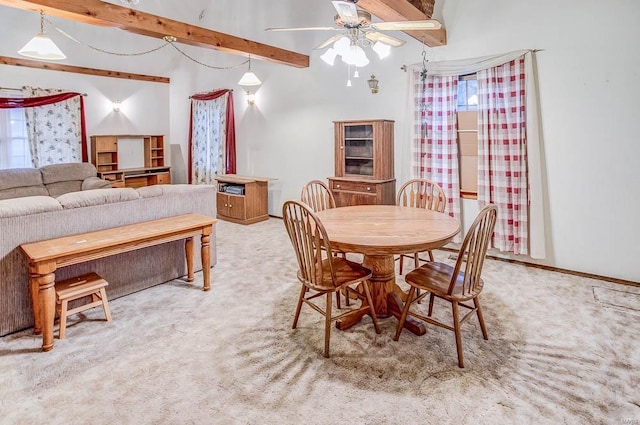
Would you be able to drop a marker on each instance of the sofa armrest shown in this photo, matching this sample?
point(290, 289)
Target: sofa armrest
point(95, 183)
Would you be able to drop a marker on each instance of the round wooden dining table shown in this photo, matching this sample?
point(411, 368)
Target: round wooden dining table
point(380, 232)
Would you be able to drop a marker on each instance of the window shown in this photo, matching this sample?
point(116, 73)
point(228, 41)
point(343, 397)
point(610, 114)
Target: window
point(14, 145)
point(467, 117)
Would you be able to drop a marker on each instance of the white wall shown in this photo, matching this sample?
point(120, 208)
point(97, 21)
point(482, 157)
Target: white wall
point(588, 90)
point(588, 68)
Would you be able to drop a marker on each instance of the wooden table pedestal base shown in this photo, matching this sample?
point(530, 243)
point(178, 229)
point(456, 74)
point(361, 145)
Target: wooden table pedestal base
point(386, 295)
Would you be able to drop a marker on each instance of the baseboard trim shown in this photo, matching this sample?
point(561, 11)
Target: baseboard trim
point(558, 269)
point(549, 268)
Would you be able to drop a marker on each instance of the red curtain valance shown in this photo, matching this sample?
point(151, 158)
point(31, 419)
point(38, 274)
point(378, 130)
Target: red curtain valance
point(30, 102)
point(230, 146)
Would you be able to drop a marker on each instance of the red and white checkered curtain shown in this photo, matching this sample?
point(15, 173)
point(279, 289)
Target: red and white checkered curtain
point(435, 136)
point(502, 152)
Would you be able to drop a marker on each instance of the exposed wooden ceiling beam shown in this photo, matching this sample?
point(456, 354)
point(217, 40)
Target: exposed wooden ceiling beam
point(402, 10)
point(6, 60)
point(96, 12)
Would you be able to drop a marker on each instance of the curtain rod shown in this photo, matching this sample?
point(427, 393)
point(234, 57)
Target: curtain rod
point(14, 89)
point(404, 67)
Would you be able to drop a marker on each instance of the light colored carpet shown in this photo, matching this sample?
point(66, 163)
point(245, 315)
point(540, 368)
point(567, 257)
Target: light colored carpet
point(561, 349)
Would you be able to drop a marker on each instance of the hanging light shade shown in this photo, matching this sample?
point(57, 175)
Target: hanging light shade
point(249, 78)
point(381, 49)
point(329, 57)
point(41, 46)
point(355, 56)
point(341, 46)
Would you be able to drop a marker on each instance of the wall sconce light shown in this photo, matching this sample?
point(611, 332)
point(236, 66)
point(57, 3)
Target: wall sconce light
point(116, 105)
point(373, 84)
point(251, 98)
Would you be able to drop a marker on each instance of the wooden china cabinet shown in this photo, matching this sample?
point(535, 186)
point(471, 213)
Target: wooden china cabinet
point(363, 163)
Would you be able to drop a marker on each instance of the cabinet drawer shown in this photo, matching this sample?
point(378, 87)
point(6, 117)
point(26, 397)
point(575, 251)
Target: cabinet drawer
point(349, 186)
point(136, 182)
point(164, 178)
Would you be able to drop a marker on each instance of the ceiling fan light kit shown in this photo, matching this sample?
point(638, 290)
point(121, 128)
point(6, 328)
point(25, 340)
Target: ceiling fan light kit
point(362, 33)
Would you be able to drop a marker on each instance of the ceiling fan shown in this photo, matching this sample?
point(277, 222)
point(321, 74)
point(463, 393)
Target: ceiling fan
point(361, 32)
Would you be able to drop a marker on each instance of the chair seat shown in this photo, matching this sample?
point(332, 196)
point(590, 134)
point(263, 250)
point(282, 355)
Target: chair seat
point(436, 277)
point(347, 273)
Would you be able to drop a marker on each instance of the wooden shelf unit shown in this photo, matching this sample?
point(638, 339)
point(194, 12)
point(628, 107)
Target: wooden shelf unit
point(364, 172)
point(242, 199)
point(104, 155)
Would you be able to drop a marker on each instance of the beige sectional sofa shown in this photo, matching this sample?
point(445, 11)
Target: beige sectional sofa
point(65, 199)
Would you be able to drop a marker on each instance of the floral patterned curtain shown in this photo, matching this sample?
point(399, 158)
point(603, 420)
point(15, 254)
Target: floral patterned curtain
point(56, 130)
point(212, 136)
point(502, 150)
point(436, 150)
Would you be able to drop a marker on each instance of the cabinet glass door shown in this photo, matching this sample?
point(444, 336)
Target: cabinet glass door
point(358, 150)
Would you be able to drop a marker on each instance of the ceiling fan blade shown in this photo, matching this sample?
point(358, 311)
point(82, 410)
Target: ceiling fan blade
point(429, 24)
point(347, 11)
point(384, 38)
point(305, 29)
point(328, 41)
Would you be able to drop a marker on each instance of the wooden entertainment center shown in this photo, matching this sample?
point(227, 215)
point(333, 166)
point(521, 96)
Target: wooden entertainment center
point(104, 155)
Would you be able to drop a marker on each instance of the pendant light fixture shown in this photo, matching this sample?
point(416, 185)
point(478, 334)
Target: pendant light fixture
point(249, 78)
point(41, 46)
point(248, 81)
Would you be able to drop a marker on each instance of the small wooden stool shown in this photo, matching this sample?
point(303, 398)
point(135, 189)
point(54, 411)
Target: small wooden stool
point(79, 287)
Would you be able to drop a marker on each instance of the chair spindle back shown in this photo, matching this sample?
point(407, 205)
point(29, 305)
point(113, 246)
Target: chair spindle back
point(473, 251)
point(318, 196)
point(309, 239)
point(422, 193)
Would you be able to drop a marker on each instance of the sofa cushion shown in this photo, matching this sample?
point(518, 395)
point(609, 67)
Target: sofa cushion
point(89, 198)
point(21, 182)
point(60, 188)
point(20, 177)
point(165, 189)
point(150, 191)
point(21, 192)
point(95, 183)
point(28, 205)
point(67, 172)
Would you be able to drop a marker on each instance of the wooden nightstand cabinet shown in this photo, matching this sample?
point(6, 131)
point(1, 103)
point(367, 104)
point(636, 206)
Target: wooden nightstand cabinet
point(363, 163)
point(242, 200)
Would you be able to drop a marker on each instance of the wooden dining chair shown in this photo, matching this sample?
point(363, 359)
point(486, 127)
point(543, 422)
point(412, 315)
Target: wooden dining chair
point(320, 272)
point(421, 193)
point(319, 197)
point(458, 284)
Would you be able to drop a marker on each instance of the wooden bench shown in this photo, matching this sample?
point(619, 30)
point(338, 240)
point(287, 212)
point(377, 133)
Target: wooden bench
point(46, 256)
